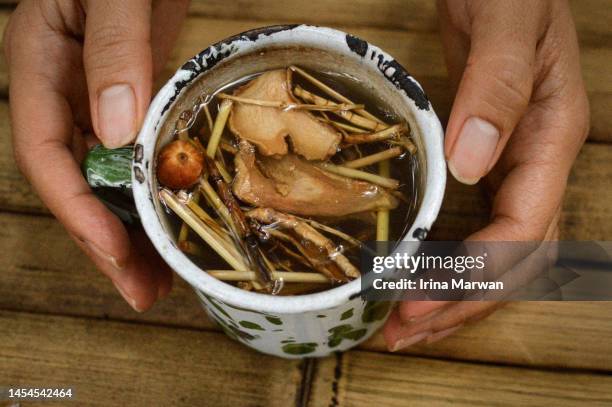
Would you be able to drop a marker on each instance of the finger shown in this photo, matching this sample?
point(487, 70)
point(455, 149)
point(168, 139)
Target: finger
point(39, 89)
point(495, 87)
point(399, 335)
point(119, 67)
point(163, 273)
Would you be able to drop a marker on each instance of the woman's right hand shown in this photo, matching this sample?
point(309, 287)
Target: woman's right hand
point(83, 66)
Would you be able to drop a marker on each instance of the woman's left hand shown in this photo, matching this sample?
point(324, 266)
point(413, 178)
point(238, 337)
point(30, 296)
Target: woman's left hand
point(520, 115)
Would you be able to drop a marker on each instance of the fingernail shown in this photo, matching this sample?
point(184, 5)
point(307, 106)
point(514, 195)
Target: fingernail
point(411, 340)
point(117, 115)
point(442, 334)
point(473, 150)
point(127, 298)
point(103, 255)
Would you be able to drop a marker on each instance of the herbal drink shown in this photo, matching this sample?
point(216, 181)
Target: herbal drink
point(276, 181)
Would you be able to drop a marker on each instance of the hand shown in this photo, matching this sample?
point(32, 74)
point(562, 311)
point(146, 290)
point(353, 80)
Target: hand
point(77, 66)
point(520, 115)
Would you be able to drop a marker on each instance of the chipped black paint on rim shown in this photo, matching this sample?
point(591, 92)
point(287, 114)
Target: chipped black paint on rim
point(392, 70)
point(420, 233)
point(138, 153)
point(216, 53)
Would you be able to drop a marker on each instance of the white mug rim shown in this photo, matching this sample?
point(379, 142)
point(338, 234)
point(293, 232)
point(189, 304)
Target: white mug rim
point(435, 180)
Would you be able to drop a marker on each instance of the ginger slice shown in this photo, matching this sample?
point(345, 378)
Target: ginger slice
point(269, 127)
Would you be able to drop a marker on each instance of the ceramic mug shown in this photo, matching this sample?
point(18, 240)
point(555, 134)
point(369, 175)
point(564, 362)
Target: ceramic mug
point(312, 325)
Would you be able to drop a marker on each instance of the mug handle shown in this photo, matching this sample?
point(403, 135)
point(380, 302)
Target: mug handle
point(109, 173)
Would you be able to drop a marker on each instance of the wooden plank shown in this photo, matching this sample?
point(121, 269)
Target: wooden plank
point(373, 379)
point(587, 208)
point(44, 272)
point(420, 52)
point(552, 334)
point(592, 17)
point(388, 14)
point(110, 363)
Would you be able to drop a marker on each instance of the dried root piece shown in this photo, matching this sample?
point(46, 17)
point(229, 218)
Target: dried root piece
point(272, 128)
point(310, 235)
point(294, 185)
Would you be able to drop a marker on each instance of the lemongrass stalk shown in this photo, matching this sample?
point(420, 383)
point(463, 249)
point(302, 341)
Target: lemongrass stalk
point(224, 174)
point(184, 232)
point(218, 162)
point(209, 118)
point(382, 217)
point(406, 143)
point(347, 115)
point(182, 125)
point(392, 132)
point(333, 93)
point(218, 127)
point(210, 222)
point(227, 147)
point(287, 105)
point(399, 195)
point(216, 202)
point(374, 158)
point(183, 212)
point(288, 277)
point(193, 249)
point(347, 127)
point(362, 175)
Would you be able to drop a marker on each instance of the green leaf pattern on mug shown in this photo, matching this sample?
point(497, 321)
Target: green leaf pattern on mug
point(274, 320)
point(251, 325)
point(345, 331)
point(299, 348)
point(375, 311)
point(346, 314)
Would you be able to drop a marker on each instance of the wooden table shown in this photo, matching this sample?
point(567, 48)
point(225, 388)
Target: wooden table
point(62, 323)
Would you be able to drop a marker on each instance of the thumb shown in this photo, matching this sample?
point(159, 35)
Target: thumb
point(494, 91)
point(119, 67)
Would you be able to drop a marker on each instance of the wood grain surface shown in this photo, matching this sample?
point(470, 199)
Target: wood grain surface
point(48, 274)
point(63, 322)
point(111, 363)
point(372, 379)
